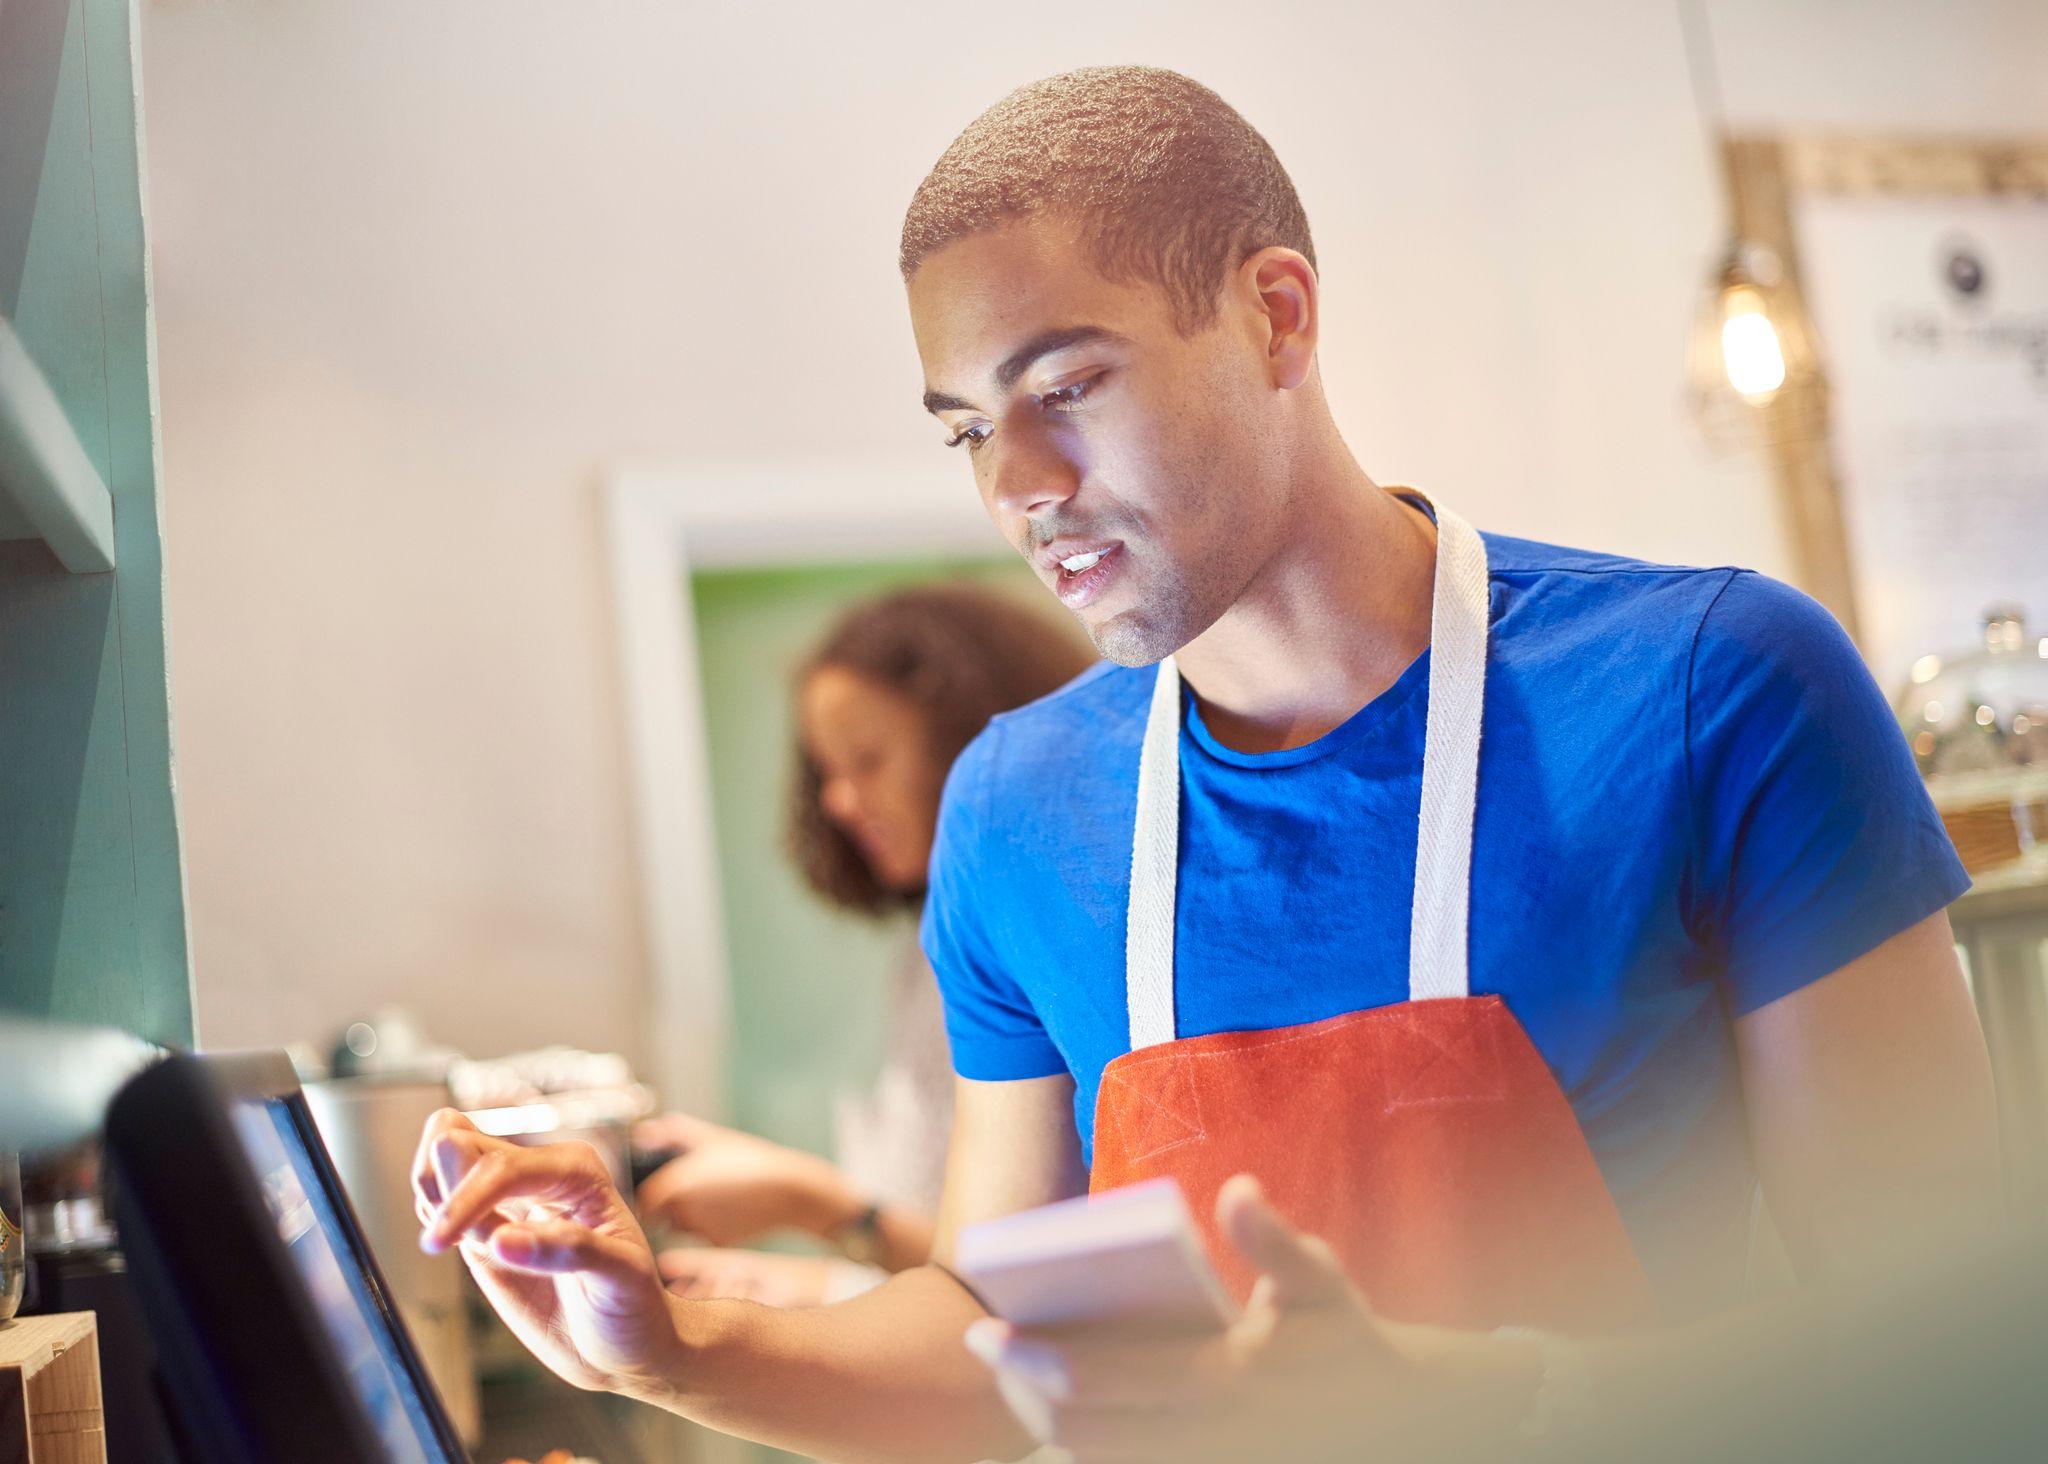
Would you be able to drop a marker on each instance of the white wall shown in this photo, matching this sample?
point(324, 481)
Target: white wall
point(422, 269)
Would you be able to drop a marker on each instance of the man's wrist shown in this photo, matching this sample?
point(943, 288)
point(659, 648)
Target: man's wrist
point(664, 1379)
point(1501, 1377)
point(1559, 1394)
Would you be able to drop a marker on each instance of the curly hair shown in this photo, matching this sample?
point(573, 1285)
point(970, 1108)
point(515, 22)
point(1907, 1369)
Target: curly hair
point(1170, 183)
point(958, 655)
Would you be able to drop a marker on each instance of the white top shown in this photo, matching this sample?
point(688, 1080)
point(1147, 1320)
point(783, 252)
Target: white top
point(891, 1139)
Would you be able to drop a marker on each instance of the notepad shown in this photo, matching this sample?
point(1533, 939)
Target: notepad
point(1129, 1256)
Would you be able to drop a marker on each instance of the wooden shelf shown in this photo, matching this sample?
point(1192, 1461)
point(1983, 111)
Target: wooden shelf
point(50, 1409)
point(49, 489)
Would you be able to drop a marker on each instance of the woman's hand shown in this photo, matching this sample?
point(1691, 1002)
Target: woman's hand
point(556, 1251)
point(732, 1188)
point(705, 1272)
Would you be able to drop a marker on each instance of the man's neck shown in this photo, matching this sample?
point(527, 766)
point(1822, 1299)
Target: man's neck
point(1330, 623)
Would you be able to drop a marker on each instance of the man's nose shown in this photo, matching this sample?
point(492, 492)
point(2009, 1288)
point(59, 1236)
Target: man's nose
point(1029, 475)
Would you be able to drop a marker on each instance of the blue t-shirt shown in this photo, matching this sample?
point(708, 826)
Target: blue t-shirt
point(1692, 801)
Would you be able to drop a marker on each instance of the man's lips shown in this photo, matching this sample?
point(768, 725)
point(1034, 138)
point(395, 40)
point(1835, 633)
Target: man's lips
point(873, 842)
point(1051, 558)
point(1095, 565)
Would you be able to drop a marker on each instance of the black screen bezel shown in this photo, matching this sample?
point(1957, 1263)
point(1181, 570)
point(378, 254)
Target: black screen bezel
point(238, 1333)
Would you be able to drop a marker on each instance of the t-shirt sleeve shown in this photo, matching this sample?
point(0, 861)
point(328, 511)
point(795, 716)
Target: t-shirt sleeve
point(1815, 840)
point(994, 1031)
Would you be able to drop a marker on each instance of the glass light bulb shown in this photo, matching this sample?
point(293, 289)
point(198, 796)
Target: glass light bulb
point(1750, 352)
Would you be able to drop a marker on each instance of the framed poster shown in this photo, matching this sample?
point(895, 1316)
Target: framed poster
point(1917, 496)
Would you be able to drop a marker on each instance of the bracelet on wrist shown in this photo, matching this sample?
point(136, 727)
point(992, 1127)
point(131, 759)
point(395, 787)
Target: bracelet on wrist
point(860, 1239)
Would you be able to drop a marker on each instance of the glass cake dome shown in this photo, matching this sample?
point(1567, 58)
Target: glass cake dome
point(1978, 724)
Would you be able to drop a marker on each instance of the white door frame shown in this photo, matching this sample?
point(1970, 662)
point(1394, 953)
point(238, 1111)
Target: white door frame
point(664, 523)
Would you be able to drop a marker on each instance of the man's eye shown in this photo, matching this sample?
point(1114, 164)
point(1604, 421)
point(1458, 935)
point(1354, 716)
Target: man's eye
point(973, 436)
point(1067, 396)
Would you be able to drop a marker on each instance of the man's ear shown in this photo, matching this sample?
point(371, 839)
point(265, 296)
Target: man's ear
point(1286, 299)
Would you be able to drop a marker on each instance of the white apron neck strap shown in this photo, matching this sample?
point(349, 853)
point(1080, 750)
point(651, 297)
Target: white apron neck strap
point(1443, 846)
point(1155, 855)
point(1437, 936)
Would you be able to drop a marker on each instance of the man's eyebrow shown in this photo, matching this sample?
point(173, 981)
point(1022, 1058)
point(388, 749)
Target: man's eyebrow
point(938, 401)
point(1021, 360)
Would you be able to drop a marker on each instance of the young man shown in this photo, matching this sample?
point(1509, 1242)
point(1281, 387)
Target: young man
point(1508, 911)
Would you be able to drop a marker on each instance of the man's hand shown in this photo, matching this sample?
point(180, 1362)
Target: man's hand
point(1306, 1373)
point(732, 1188)
point(556, 1251)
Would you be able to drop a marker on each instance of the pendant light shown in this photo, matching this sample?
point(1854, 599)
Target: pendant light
point(1752, 377)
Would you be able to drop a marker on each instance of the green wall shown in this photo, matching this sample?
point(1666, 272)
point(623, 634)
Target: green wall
point(92, 924)
point(808, 983)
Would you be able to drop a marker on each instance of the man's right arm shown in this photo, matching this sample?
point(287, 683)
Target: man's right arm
point(882, 1377)
point(885, 1376)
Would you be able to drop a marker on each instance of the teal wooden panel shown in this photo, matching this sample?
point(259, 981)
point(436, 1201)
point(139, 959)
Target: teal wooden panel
point(66, 905)
point(92, 924)
point(33, 34)
point(164, 982)
point(55, 304)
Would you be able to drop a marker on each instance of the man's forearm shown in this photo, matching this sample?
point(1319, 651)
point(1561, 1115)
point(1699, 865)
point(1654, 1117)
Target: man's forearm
point(883, 1377)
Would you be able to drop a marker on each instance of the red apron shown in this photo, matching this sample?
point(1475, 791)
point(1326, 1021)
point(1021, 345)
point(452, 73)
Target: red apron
point(1427, 1142)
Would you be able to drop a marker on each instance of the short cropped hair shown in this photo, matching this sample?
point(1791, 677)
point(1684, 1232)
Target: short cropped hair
point(960, 655)
point(1170, 184)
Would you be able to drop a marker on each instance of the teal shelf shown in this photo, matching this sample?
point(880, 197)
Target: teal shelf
point(49, 489)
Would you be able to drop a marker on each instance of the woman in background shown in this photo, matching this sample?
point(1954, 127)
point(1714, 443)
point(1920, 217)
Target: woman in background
point(884, 705)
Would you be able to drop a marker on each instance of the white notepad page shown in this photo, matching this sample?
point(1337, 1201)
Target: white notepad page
point(1129, 1255)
